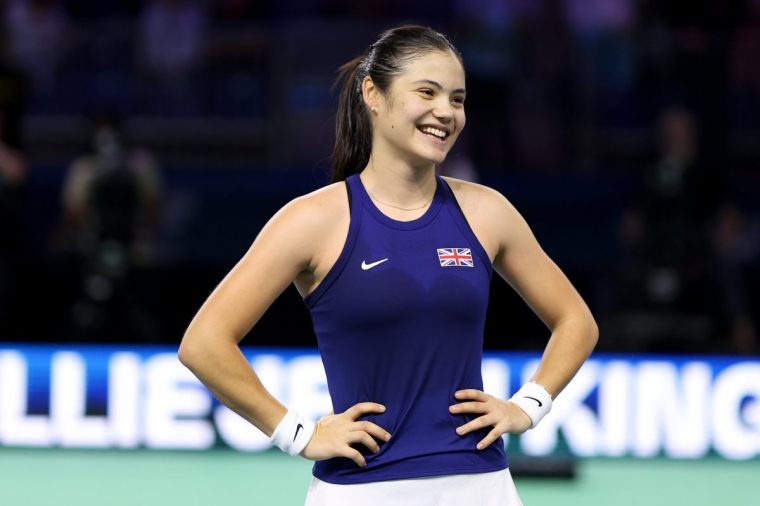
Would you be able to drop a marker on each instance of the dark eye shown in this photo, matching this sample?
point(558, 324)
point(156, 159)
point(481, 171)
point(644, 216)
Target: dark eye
point(427, 92)
point(459, 100)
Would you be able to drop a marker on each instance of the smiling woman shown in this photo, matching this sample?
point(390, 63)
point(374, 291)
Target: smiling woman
point(427, 99)
point(394, 263)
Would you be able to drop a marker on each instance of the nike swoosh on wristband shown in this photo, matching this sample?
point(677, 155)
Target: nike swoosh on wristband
point(366, 266)
point(298, 427)
point(539, 402)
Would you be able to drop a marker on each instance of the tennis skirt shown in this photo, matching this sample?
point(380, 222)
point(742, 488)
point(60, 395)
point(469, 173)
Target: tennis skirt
point(481, 489)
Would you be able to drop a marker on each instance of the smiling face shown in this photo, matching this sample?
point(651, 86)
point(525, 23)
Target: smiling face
point(420, 117)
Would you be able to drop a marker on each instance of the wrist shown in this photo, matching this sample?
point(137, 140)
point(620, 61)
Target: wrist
point(534, 400)
point(293, 433)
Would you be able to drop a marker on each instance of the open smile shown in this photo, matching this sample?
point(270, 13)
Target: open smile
point(438, 134)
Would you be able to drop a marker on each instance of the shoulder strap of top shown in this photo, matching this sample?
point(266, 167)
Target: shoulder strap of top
point(355, 207)
point(353, 185)
point(455, 210)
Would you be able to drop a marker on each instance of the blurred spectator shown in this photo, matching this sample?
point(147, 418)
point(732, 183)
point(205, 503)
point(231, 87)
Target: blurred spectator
point(603, 29)
point(13, 169)
point(111, 200)
point(130, 215)
point(171, 46)
point(684, 47)
point(38, 39)
point(681, 240)
point(487, 31)
point(736, 246)
point(745, 70)
point(12, 175)
point(603, 38)
point(237, 61)
point(13, 95)
point(541, 103)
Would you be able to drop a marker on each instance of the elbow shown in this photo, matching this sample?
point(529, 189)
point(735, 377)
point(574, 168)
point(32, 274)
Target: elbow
point(200, 345)
point(593, 333)
point(189, 351)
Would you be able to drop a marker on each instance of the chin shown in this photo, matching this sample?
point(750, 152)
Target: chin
point(432, 156)
point(438, 159)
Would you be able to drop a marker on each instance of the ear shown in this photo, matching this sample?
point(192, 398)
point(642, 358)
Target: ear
point(371, 95)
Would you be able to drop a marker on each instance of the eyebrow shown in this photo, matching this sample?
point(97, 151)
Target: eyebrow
point(437, 85)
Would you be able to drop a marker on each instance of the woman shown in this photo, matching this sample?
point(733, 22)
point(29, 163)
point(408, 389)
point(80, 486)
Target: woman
point(394, 264)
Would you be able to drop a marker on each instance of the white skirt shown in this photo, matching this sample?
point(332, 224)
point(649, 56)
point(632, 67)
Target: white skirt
point(481, 489)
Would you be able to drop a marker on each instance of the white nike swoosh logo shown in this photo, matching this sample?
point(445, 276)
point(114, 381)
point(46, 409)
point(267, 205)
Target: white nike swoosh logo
point(366, 266)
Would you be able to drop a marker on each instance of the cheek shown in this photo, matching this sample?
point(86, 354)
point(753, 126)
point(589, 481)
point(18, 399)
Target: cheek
point(402, 113)
point(412, 114)
point(461, 121)
point(412, 110)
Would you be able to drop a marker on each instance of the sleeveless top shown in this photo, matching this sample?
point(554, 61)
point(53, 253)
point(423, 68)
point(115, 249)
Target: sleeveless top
point(399, 320)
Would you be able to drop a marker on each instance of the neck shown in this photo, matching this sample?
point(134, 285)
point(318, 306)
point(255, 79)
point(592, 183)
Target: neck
point(397, 185)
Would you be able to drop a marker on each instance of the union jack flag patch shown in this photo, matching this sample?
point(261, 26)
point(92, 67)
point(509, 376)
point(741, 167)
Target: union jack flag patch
point(455, 257)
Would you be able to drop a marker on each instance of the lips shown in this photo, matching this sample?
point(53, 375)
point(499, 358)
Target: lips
point(436, 132)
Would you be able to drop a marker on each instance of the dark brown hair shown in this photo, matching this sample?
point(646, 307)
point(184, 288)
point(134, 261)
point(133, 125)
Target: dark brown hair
point(382, 61)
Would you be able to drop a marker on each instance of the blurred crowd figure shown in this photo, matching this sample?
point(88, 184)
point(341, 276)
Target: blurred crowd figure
point(745, 71)
point(39, 37)
point(548, 77)
point(171, 44)
point(111, 201)
point(13, 174)
point(685, 246)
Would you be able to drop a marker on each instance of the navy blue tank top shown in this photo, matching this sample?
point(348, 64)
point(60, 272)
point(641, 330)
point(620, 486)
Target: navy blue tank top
point(399, 320)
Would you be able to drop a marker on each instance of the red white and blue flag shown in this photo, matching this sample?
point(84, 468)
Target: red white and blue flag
point(455, 257)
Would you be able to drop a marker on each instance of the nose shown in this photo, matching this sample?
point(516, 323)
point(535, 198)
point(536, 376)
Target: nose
point(443, 111)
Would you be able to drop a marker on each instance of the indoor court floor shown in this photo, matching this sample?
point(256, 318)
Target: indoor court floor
point(61, 477)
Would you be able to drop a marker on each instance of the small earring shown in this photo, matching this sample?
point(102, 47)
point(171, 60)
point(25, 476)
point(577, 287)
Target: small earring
point(374, 109)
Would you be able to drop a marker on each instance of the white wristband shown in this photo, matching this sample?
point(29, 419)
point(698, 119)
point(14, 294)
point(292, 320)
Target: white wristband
point(534, 400)
point(293, 433)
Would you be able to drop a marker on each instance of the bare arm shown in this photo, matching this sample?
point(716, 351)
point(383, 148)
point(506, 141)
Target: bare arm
point(519, 259)
point(543, 286)
point(286, 248)
point(210, 345)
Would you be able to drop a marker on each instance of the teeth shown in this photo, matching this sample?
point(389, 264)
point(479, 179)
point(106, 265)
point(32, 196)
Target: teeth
point(434, 131)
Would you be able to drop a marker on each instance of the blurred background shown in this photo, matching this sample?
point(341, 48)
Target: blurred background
point(143, 144)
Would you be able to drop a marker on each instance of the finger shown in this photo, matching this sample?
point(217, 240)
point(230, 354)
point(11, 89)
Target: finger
point(363, 408)
point(354, 455)
point(365, 439)
point(477, 424)
point(469, 407)
point(489, 439)
point(372, 429)
point(472, 394)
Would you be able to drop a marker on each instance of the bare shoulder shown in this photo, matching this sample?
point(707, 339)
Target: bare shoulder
point(301, 226)
point(477, 197)
point(489, 213)
point(333, 194)
point(316, 225)
point(318, 209)
point(284, 251)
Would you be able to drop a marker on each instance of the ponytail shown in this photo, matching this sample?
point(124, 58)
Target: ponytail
point(353, 131)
